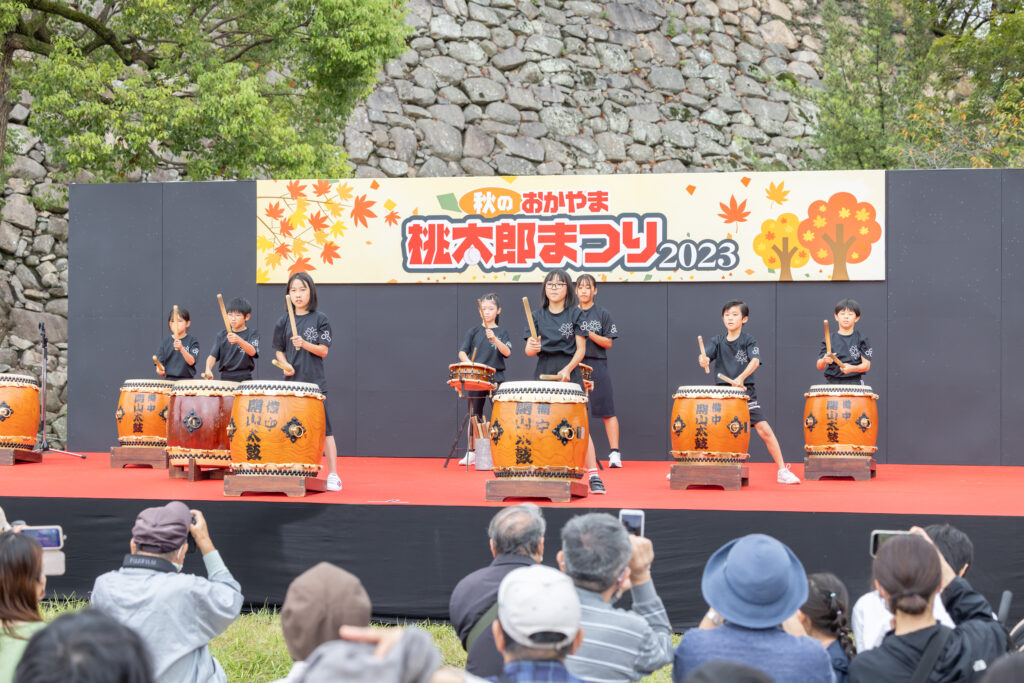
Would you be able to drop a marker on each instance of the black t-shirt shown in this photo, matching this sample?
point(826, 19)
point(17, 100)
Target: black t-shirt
point(315, 329)
point(557, 331)
point(732, 357)
point(852, 349)
point(233, 360)
point(597, 320)
point(172, 360)
point(486, 352)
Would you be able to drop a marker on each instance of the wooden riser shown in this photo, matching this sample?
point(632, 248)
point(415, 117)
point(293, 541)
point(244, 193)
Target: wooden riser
point(858, 469)
point(555, 490)
point(150, 456)
point(13, 456)
point(730, 476)
point(292, 486)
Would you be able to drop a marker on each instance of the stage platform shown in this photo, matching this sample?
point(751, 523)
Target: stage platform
point(411, 529)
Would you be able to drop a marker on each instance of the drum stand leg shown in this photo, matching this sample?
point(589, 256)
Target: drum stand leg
point(459, 434)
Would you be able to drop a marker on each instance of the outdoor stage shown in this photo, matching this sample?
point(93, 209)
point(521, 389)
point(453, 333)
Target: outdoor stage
point(410, 529)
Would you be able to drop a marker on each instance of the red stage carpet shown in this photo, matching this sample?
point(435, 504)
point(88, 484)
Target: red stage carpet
point(898, 489)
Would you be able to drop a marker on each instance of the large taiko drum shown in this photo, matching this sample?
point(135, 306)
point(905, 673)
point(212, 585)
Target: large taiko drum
point(19, 411)
point(539, 430)
point(588, 376)
point(277, 428)
point(197, 422)
point(710, 422)
point(471, 377)
point(840, 419)
point(142, 412)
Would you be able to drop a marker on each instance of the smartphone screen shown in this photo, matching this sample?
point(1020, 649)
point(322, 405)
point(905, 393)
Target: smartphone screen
point(48, 536)
point(633, 520)
point(880, 536)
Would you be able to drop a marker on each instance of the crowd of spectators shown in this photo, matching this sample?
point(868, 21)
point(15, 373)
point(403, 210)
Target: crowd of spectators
point(519, 620)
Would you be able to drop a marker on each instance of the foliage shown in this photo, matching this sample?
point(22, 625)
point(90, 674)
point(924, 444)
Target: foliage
point(839, 231)
point(216, 88)
point(778, 247)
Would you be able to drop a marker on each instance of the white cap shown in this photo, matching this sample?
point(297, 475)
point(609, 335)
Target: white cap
point(538, 599)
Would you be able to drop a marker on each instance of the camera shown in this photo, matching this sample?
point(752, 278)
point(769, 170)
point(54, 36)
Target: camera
point(880, 536)
point(633, 520)
point(51, 537)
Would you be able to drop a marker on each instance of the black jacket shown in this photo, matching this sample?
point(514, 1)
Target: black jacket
point(977, 636)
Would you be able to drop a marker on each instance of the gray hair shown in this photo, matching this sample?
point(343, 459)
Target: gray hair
point(517, 530)
point(595, 549)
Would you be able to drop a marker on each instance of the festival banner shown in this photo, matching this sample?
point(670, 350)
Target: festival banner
point(690, 227)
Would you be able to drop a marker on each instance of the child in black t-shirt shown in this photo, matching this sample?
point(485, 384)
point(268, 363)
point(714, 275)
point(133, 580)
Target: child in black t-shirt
point(736, 355)
point(600, 330)
point(493, 346)
point(238, 351)
point(851, 351)
point(305, 353)
point(178, 352)
point(560, 345)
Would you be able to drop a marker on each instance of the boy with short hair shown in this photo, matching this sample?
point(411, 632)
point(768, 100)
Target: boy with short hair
point(737, 356)
point(177, 353)
point(851, 351)
point(238, 351)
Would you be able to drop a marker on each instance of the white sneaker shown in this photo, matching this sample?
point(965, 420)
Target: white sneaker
point(787, 477)
point(614, 459)
point(333, 482)
point(468, 459)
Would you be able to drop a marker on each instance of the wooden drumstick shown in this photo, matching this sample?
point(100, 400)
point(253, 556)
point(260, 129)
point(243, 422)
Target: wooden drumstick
point(700, 341)
point(174, 318)
point(291, 315)
point(224, 313)
point(206, 375)
point(551, 378)
point(284, 367)
point(725, 379)
point(529, 316)
point(472, 359)
point(828, 339)
point(158, 364)
point(480, 310)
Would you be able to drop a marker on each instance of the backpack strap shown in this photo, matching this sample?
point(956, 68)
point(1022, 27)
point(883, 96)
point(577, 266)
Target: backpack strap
point(481, 625)
point(931, 654)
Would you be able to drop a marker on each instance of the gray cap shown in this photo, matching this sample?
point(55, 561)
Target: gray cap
point(538, 599)
point(162, 529)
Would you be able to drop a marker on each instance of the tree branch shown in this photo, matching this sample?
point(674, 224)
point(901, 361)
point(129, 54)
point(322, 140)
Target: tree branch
point(62, 10)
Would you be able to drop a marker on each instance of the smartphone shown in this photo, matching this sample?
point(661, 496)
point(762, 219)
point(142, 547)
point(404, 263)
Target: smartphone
point(48, 536)
point(633, 520)
point(880, 536)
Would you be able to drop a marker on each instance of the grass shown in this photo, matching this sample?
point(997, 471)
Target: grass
point(252, 649)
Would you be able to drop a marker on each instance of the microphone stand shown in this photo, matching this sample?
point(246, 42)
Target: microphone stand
point(42, 446)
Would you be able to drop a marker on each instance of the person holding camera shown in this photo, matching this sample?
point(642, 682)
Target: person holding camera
point(22, 586)
point(177, 615)
point(604, 562)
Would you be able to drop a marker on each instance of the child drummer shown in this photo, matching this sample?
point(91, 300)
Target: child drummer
point(177, 353)
point(601, 331)
point(492, 346)
point(850, 357)
point(737, 356)
point(237, 351)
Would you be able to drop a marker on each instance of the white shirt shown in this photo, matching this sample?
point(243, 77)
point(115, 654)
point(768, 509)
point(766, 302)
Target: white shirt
point(872, 620)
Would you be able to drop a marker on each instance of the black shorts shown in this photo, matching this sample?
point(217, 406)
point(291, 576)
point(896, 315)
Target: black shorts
point(756, 414)
point(601, 401)
point(552, 364)
point(327, 418)
point(847, 379)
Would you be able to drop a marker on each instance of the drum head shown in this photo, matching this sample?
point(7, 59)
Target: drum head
point(148, 385)
point(205, 387)
point(540, 392)
point(18, 380)
point(839, 390)
point(709, 391)
point(278, 387)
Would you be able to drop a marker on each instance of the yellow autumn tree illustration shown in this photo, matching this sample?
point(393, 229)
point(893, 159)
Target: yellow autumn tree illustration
point(778, 247)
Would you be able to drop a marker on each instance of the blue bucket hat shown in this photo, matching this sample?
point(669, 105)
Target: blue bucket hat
point(754, 581)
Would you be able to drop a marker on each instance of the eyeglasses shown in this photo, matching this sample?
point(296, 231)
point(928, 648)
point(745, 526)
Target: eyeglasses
point(555, 285)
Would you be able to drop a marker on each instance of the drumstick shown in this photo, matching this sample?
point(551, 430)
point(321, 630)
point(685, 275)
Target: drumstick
point(158, 364)
point(725, 379)
point(206, 375)
point(283, 366)
point(472, 359)
point(480, 310)
point(224, 313)
point(700, 341)
point(529, 316)
point(828, 339)
point(174, 318)
point(551, 378)
point(291, 315)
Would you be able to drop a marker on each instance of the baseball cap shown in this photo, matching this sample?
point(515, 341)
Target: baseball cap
point(538, 599)
point(162, 529)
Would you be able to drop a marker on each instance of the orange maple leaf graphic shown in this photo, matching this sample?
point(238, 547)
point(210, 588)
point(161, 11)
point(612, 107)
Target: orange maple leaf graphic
point(286, 228)
point(329, 253)
point(283, 250)
point(344, 191)
point(361, 210)
point(321, 187)
point(776, 194)
point(275, 212)
point(734, 213)
point(296, 190)
point(318, 221)
point(301, 266)
point(392, 219)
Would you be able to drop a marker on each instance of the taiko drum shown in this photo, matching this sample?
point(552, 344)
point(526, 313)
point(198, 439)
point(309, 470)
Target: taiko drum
point(471, 377)
point(710, 422)
point(277, 428)
point(19, 411)
point(197, 422)
point(840, 419)
point(539, 430)
point(142, 412)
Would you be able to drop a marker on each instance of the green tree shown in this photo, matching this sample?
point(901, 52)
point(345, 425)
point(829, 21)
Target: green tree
point(215, 88)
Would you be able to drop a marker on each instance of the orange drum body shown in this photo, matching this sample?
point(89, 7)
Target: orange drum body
point(197, 422)
point(471, 377)
point(539, 430)
point(277, 428)
point(588, 376)
point(840, 419)
point(710, 423)
point(19, 411)
point(142, 412)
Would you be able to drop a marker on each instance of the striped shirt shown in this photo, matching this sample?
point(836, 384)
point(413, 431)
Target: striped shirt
point(622, 645)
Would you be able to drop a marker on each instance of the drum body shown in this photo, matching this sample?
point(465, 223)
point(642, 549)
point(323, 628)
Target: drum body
point(277, 428)
point(710, 423)
point(840, 419)
point(471, 377)
point(539, 430)
point(197, 422)
point(19, 411)
point(588, 376)
point(142, 412)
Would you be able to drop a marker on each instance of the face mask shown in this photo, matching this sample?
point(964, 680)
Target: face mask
point(178, 566)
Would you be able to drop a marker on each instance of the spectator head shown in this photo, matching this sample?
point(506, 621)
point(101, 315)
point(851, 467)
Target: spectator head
point(85, 647)
point(538, 615)
point(754, 581)
point(727, 672)
point(22, 582)
point(595, 551)
point(163, 531)
point(908, 573)
point(826, 612)
point(954, 545)
point(1007, 669)
point(319, 602)
point(518, 530)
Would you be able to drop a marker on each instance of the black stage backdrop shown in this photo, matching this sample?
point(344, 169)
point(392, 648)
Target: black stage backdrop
point(943, 324)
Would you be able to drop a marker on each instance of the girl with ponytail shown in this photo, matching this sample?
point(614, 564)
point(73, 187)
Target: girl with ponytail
point(826, 618)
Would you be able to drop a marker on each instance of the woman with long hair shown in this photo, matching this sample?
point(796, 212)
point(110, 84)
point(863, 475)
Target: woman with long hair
point(22, 586)
point(825, 618)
